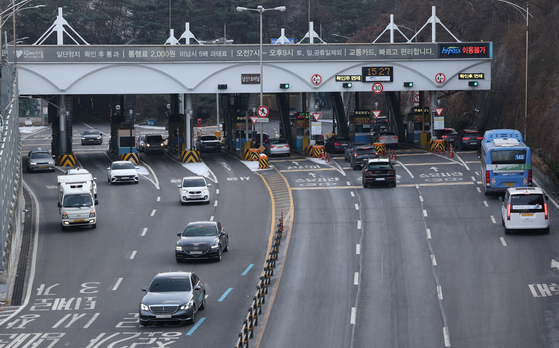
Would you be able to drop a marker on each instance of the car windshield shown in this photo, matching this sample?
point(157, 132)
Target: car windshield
point(91, 132)
point(472, 134)
point(197, 182)
point(82, 200)
point(365, 151)
point(533, 203)
point(154, 138)
point(341, 138)
point(40, 155)
point(165, 284)
point(208, 137)
point(380, 165)
point(387, 133)
point(199, 231)
point(278, 141)
point(119, 166)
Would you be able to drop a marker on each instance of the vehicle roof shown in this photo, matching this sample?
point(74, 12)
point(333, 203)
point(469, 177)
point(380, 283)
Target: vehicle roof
point(75, 171)
point(173, 274)
point(202, 223)
point(502, 133)
point(470, 130)
point(123, 162)
point(524, 190)
point(384, 160)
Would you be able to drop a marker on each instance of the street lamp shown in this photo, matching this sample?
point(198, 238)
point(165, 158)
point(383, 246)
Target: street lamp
point(338, 35)
point(11, 12)
point(260, 10)
point(526, 14)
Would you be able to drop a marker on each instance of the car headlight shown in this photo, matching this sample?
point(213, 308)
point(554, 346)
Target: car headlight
point(178, 248)
point(144, 307)
point(215, 244)
point(186, 306)
point(92, 213)
point(33, 163)
point(64, 215)
point(147, 145)
point(205, 190)
point(83, 138)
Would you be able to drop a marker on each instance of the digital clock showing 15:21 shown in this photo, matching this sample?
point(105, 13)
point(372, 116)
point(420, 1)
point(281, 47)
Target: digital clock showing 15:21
point(377, 74)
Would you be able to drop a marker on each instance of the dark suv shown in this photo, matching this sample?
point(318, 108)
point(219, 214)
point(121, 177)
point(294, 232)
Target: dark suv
point(448, 135)
point(468, 138)
point(154, 142)
point(208, 142)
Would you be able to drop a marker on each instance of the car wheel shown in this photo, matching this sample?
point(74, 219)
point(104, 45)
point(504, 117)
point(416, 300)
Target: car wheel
point(94, 225)
point(546, 230)
point(393, 184)
point(507, 231)
point(227, 246)
point(218, 259)
point(178, 260)
point(181, 202)
point(208, 202)
point(193, 317)
point(136, 182)
point(502, 222)
point(144, 323)
point(203, 304)
point(365, 185)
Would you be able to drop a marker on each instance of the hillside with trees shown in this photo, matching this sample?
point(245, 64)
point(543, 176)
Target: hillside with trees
point(149, 21)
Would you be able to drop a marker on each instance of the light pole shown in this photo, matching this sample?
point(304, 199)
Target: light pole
point(526, 14)
point(10, 12)
point(260, 10)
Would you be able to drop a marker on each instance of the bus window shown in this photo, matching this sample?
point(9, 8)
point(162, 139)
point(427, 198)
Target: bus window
point(508, 156)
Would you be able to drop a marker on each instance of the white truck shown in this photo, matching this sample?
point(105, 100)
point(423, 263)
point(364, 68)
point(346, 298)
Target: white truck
point(76, 203)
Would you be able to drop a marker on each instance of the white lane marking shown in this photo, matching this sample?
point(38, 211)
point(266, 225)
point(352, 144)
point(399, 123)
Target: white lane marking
point(353, 315)
point(155, 180)
point(91, 321)
point(503, 241)
point(358, 249)
point(439, 292)
point(356, 206)
point(478, 189)
point(153, 212)
point(421, 198)
point(493, 219)
point(215, 203)
point(428, 234)
point(424, 212)
point(433, 260)
point(158, 199)
point(473, 179)
point(216, 191)
point(211, 218)
point(446, 337)
point(133, 254)
point(348, 183)
point(356, 278)
point(485, 203)
point(406, 168)
point(352, 194)
point(358, 224)
point(144, 231)
point(117, 284)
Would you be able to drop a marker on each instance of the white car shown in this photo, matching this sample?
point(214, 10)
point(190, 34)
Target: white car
point(279, 146)
point(194, 189)
point(122, 171)
point(81, 171)
point(524, 208)
point(389, 138)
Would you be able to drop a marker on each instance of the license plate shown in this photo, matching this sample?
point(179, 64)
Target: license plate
point(163, 316)
point(196, 253)
point(42, 166)
point(509, 184)
point(280, 147)
point(380, 179)
point(526, 214)
point(124, 177)
point(79, 220)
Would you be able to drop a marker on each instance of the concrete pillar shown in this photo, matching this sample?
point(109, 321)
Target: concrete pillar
point(62, 117)
point(187, 119)
point(433, 96)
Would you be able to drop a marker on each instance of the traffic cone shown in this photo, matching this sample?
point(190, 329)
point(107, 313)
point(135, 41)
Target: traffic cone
point(450, 154)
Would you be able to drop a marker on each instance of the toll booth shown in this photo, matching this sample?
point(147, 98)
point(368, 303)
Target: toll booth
point(301, 124)
point(126, 140)
point(176, 130)
point(420, 121)
point(360, 126)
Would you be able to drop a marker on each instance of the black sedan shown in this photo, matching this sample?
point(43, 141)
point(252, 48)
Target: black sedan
point(379, 171)
point(92, 136)
point(337, 144)
point(202, 240)
point(468, 138)
point(172, 296)
point(349, 150)
point(361, 155)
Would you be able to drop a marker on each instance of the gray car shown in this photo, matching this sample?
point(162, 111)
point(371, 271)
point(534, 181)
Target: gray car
point(172, 297)
point(208, 142)
point(92, 136)
point(40, 160)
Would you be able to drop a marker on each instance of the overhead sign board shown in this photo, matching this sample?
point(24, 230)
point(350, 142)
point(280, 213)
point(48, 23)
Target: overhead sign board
point(250, 79)
point(466, 50)
point(348, 78)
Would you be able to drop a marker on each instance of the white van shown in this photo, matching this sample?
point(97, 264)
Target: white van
point(76, 203)
point(524, 208)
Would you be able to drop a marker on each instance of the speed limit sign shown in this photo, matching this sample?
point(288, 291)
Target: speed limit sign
point(316, 79)
point(440, 78)
point(377, 87)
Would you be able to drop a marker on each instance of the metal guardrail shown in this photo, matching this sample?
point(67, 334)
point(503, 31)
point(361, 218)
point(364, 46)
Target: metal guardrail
point(251, 320)
point(10, 173)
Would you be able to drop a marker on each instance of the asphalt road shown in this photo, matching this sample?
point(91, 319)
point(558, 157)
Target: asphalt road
point(424, 264)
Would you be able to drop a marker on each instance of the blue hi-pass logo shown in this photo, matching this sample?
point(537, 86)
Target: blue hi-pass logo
point(451, 50)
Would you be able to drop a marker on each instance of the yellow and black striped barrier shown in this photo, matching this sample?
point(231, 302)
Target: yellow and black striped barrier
point(252, 155)
point(308, 150)
point(380, 147)
point(438, 145)
point(317, 151)
point(190, 156)
point(263, 162)
point(132, 157)
point(66, 161)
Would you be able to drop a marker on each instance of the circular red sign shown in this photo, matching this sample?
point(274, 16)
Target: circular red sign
point(316, 79)
point(262, 111)
point(440, 78)
point(377, 87)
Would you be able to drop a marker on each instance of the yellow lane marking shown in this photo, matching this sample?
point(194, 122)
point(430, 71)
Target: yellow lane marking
point(399, 185)
point(304, 170)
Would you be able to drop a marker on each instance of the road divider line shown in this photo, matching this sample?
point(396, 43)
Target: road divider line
point(433, 260)
point(478, 189)
point(144, 231)
point(503, 241)
point(153, 212)
point(225, 294)
point(356, 278)
point(474, 179)
point(485, 203)
point(421, 198)
point(195, 326)
point(493, 219)
point(428, 234)
point(424, 213)
point(352, 194)
point(358, 249)
point(356, 206)
point(158, 199)
point(446, 337)
point(348, 183)
point(439, 292)
point(118, 281)
point(358, 224)
point(133, 254)
point(353, 315)
point(216, 191)
point(215, 203)
point(212, 218)
point(248, 269)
